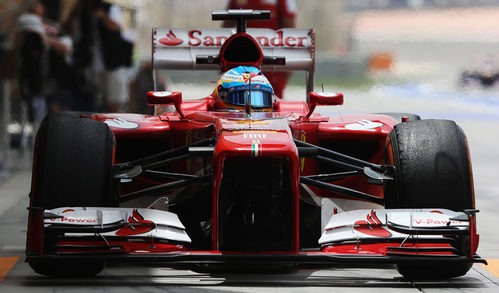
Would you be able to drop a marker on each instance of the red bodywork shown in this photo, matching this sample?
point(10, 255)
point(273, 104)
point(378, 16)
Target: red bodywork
point(235, 136)
point(259, 137)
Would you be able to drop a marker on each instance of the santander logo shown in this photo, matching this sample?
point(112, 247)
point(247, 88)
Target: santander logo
point(372, 226)
point(138, 225)
point(171, 39)
point(210, 38)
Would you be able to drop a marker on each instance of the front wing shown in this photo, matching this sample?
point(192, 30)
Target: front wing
point(357, 237)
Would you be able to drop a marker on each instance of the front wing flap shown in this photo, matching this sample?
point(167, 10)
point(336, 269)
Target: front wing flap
point(77, 230)
point(406, 233)
point(360, 225)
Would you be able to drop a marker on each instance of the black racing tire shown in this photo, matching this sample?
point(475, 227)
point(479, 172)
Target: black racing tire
point(72, 167)
point(398, 116)
point(432, 170)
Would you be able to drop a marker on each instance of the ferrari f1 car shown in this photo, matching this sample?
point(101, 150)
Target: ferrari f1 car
point(241, 179)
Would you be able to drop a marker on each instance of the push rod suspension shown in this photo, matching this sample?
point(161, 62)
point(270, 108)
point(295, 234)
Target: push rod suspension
point(183, 150)
point(336, 155)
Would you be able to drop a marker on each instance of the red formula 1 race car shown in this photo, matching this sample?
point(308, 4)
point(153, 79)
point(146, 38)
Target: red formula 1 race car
point(240, 179)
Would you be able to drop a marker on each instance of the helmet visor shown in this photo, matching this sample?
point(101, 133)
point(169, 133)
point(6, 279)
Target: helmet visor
point(259, 99)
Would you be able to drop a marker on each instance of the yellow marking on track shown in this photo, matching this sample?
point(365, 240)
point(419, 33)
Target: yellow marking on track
point(6, 264)
point(492, 267)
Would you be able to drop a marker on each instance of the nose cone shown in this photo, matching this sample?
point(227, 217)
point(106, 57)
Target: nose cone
point(256, 138)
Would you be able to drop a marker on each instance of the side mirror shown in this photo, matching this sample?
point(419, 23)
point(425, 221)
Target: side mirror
point(322, 99)
point(166, 98)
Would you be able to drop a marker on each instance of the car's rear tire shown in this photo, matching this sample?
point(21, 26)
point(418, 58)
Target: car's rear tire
point(432, 170)
point(72, 167)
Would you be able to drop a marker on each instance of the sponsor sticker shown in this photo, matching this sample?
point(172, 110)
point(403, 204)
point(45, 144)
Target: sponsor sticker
point(216, 38)
point(363, 125)
point(162, 94)
point(170, 39)
point(74, 220)
point(253, 122)
point(303, 137)
point(255, 135)
point(436, 222)
point(122, 124)
point(254, 131)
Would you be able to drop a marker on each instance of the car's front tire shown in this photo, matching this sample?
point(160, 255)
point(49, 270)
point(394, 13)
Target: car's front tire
point(72, 168)
point(432, 170)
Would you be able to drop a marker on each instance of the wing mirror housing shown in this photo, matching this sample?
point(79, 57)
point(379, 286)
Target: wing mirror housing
point(166, 98)
point(323, 99)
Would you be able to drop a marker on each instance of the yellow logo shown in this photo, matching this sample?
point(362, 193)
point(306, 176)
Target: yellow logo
point(253, 122)
point(303, 138)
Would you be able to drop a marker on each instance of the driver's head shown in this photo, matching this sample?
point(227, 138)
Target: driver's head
point(234, 87)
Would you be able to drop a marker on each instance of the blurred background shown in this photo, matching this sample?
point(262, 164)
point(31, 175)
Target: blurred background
point(435, 58)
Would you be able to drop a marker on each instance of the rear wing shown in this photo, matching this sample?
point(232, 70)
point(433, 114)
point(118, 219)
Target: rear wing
point(178, 49)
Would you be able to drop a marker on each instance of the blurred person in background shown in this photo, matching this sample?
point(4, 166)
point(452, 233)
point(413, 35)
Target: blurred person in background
point(283, 15)
point(36, 41)
point(62, 79)
point(102, 56)
point(112, 55)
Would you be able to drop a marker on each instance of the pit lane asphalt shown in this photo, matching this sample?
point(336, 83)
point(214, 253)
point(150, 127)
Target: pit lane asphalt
point(479, 123)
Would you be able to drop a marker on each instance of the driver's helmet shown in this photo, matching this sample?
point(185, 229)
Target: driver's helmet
point(234, 87)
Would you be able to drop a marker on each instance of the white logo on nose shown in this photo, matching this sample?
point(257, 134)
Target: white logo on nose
point(363, 125)
point(120, 123)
